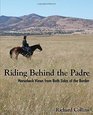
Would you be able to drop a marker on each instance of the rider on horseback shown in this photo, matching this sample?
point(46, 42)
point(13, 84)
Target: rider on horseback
point(25, 45)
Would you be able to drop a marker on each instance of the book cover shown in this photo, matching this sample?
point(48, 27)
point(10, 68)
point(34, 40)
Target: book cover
point(46, 57)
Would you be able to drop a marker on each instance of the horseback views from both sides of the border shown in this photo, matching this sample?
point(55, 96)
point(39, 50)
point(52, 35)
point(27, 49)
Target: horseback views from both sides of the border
point(25, 50)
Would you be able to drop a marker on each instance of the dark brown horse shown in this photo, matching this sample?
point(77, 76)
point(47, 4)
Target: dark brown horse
point(20, 50)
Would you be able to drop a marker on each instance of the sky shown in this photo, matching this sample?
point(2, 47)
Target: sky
point(69, 8)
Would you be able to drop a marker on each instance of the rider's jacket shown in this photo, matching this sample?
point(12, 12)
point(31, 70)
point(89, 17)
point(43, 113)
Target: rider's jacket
point(25, 44)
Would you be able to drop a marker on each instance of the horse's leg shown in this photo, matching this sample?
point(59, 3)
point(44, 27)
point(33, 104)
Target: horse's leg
point(11, 52)
point(30, 57)
point(16, 55)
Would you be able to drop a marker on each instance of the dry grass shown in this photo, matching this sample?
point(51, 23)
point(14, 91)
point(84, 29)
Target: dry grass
point(59, 52)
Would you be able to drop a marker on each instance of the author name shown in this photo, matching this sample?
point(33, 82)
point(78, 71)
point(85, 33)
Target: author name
point(78, 109)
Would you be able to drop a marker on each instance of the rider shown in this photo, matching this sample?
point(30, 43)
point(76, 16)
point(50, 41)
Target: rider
point(25, 45)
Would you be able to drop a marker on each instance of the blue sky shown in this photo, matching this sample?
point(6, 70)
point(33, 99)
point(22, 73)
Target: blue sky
point(71, 8)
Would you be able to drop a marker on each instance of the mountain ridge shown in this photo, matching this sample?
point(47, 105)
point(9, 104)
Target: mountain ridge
point(36, 23)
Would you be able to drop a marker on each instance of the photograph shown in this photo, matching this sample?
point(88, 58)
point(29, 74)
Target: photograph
point(46, 57)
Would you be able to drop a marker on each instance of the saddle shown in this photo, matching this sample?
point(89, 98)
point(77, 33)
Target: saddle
point(27, 49)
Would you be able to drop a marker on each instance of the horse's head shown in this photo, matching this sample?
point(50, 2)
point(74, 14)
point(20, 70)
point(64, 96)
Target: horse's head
point(39, 47)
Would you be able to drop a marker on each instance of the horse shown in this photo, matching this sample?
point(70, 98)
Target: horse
point(27, 54)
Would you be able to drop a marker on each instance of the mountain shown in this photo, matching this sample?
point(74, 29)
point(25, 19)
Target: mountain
point(34, 23)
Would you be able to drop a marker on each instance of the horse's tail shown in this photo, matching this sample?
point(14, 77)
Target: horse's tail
point(11, 51)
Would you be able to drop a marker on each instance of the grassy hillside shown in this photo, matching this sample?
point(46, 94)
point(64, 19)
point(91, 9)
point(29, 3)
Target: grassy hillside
point(59, 52)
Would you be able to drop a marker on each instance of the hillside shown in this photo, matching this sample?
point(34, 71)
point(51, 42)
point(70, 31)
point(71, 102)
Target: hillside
point(34, 23)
